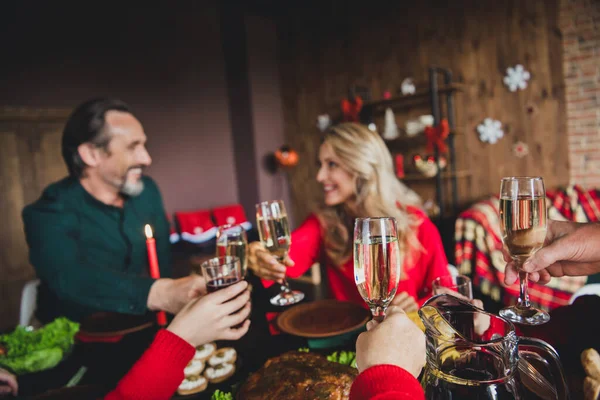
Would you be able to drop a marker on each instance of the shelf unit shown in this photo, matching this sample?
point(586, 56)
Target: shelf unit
point(446, 179)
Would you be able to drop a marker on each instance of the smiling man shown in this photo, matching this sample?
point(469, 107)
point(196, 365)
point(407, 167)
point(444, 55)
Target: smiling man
point(86, 232)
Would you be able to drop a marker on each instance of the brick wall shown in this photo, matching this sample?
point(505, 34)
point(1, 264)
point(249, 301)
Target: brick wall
point(580, 26)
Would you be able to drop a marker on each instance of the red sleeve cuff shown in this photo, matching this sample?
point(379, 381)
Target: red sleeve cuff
point(386, 382)
point(158, 373)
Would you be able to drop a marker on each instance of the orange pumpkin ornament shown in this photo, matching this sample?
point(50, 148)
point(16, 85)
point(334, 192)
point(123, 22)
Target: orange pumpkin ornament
point(286, 157)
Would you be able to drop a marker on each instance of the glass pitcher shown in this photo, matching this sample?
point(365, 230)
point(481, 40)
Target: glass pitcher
point(472, 354)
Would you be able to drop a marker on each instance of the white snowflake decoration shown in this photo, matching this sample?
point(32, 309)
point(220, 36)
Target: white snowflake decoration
point(490, 131)
point(516, 78)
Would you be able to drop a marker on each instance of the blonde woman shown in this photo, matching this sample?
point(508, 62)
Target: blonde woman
point(356, 171)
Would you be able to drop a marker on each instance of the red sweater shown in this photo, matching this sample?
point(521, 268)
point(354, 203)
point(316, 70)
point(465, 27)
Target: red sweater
point(416, 278)
point(158, 373)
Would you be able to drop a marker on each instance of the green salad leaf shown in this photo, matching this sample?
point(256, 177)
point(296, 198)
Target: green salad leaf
point(218, 395)
point(31, 351)
point(304, 350)
point(343, 357)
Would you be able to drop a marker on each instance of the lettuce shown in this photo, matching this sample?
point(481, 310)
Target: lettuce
point(218, 395)
point(31, 351)
point(343, 357)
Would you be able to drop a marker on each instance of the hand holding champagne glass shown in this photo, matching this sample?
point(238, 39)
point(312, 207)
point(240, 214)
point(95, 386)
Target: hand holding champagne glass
point(376, 262)
point(523, 225)
point(274, 232)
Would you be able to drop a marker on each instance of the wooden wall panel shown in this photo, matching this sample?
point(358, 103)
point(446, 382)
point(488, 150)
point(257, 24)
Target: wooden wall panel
point(30, 159)
point(379, 45)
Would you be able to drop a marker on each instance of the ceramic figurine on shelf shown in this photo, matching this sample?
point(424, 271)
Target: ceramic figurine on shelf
point(408, 86)
point(427, 168)
point(390, 131)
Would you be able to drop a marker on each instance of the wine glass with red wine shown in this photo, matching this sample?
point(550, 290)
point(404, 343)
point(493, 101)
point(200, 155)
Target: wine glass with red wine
point(221, 272)
point(523, 217)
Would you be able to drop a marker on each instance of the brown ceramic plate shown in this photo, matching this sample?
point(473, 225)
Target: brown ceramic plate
point(104, 324)
point(323, 318)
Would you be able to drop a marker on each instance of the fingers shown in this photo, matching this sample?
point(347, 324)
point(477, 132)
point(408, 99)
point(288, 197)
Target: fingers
point(395, 309)
point(235, 304)
point(235, 319)
point(372, 324)
point(477, 303)
point(510, 273)
point(11, 381)
point(198, 287)
point(288, 262)
point(544, 277)
point(224, 295)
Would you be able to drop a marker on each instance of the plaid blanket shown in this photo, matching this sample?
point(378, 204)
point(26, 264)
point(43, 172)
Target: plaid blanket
point(478, 248)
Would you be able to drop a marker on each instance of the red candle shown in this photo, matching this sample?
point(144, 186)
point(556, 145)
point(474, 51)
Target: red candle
point(161, 317)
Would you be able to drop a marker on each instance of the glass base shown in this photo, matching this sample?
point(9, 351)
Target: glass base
point(287, 298)
point(525, 316)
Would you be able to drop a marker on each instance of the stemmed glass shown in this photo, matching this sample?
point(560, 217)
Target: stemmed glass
point(274, 232)
point(523, 225)
point(376, 262)
point(232, 241)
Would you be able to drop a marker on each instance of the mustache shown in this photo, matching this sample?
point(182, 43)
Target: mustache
point(142, 167)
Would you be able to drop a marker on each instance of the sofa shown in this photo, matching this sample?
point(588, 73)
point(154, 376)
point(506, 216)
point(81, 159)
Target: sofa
point(478, 248)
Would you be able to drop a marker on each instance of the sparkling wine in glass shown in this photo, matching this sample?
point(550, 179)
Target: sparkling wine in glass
point(274, 232)
point(232, 241)
point(523, 218)
point(376, 262)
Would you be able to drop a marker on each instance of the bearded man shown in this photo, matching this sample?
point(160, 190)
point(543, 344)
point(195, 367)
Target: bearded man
point(86, 232)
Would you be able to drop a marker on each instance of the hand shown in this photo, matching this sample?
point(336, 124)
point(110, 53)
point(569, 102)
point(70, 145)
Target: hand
point(211, 317)
point(264, 265)
point(570, 250)
point(396, 340)
point(8, 383)
point(405, 301)
point(172, 295)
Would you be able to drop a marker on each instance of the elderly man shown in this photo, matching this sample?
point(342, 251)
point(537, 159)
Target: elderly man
point(86, 232)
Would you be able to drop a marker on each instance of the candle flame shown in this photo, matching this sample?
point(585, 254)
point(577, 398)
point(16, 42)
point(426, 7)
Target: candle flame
point(148, 231)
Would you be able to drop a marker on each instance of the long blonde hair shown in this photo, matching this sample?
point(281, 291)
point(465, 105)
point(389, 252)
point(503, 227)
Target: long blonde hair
point(378, 192)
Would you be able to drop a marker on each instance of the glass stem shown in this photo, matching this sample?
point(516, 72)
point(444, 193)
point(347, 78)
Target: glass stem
point(523, 300)
point(378, 313)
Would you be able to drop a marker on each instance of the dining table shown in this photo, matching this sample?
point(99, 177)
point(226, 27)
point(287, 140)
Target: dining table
point(98, 365)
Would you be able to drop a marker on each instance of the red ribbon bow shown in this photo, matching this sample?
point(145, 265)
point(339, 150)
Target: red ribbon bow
point(351, 109)
point(436, 136)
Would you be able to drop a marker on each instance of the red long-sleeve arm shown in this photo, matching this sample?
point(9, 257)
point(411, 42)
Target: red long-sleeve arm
point(158, 372)
point(386, 382)
point(306, 246)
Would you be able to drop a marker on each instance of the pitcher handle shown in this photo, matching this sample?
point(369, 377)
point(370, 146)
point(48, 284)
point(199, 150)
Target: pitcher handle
point(562, 389)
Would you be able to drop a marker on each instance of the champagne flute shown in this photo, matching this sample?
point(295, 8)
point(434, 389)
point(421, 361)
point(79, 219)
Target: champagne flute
point(523, 226)
point(376, 262)
point(232, 241)
point(274, 232)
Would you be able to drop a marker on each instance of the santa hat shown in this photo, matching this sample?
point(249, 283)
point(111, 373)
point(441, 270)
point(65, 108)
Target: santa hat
point(196, 226)
point(232, 215)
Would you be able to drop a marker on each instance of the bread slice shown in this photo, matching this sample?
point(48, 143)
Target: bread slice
point(205, 351)
point(192, 385)
point(219, 373)
point(194, 368)
point(590, 359)
point(224, 355)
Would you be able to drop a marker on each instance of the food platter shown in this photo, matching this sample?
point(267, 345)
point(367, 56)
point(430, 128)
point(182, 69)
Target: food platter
point(323, 318)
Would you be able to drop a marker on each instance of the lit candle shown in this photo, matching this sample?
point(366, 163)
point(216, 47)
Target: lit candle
point(161, 317)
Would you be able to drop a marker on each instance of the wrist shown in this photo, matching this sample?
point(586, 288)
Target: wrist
point(156, 295)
